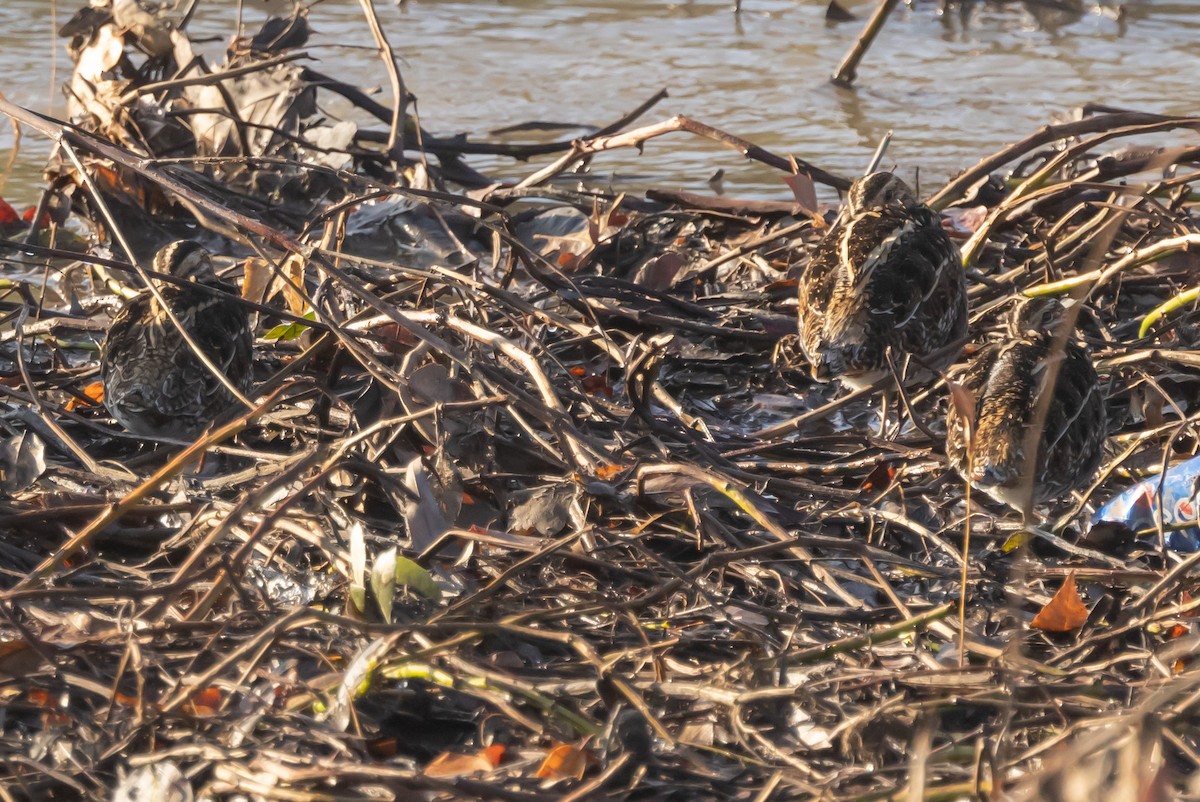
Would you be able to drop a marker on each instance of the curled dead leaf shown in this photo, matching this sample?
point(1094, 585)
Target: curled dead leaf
point(18, 658)
point(563, 762)
point(203, 703)
point(256, 277)
point(1065, 612)
point(452, 764)
point(880, 477)
point(802, 187)
point(606, 473)
point(93, 395)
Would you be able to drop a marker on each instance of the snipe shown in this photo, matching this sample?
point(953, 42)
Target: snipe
point(154, 384)
point(1006, 379)
point(886, 278)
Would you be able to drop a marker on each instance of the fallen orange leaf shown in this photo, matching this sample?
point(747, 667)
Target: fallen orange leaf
point(453, 764)
point(1064, 612)
point(55, 718)
point(563, 762)
point(203, 702)
point(786, 284)
point(494, 753)
point(39, 697)
point(606, 472)
point(597, 384)
point(15, 656)
point(94, 392)
point(1186, 598)
point(396, 339)
point(381, 748)
point(880, 477)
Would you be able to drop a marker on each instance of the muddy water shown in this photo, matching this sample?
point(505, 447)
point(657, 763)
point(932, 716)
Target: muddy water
point(952, 87)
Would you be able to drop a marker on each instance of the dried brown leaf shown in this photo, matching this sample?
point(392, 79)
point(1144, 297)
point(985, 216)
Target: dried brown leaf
point(452, 764)
point(1063, 613)
point(562, 763)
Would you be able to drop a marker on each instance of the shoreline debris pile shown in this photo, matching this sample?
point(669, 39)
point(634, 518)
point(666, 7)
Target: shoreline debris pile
point(530, 501)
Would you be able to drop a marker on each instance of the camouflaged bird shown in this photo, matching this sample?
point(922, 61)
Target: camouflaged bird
point(1005, 379)
point(154, 384)
point(885, 277)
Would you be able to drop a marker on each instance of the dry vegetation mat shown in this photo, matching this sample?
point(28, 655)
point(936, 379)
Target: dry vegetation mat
point(533, 502)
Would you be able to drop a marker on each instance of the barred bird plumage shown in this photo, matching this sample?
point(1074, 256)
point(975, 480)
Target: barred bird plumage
point(154, 384)
point(885, 277)
point(1005, 380)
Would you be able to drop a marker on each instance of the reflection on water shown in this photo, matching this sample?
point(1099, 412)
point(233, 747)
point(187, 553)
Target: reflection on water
point(952, 87)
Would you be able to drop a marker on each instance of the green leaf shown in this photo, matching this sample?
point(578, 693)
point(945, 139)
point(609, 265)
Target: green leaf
point(410, 575)
point(289, 331)
point(1015, 541)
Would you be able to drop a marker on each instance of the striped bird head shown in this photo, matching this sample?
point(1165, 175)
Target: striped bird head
point(1037, 316)
point(187, 260)
point(877, 191)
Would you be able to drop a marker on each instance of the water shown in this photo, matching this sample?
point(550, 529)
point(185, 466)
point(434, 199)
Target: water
point(953, 90)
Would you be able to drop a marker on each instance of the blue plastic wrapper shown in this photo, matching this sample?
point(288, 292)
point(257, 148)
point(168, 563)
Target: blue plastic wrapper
point(1137, 506)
